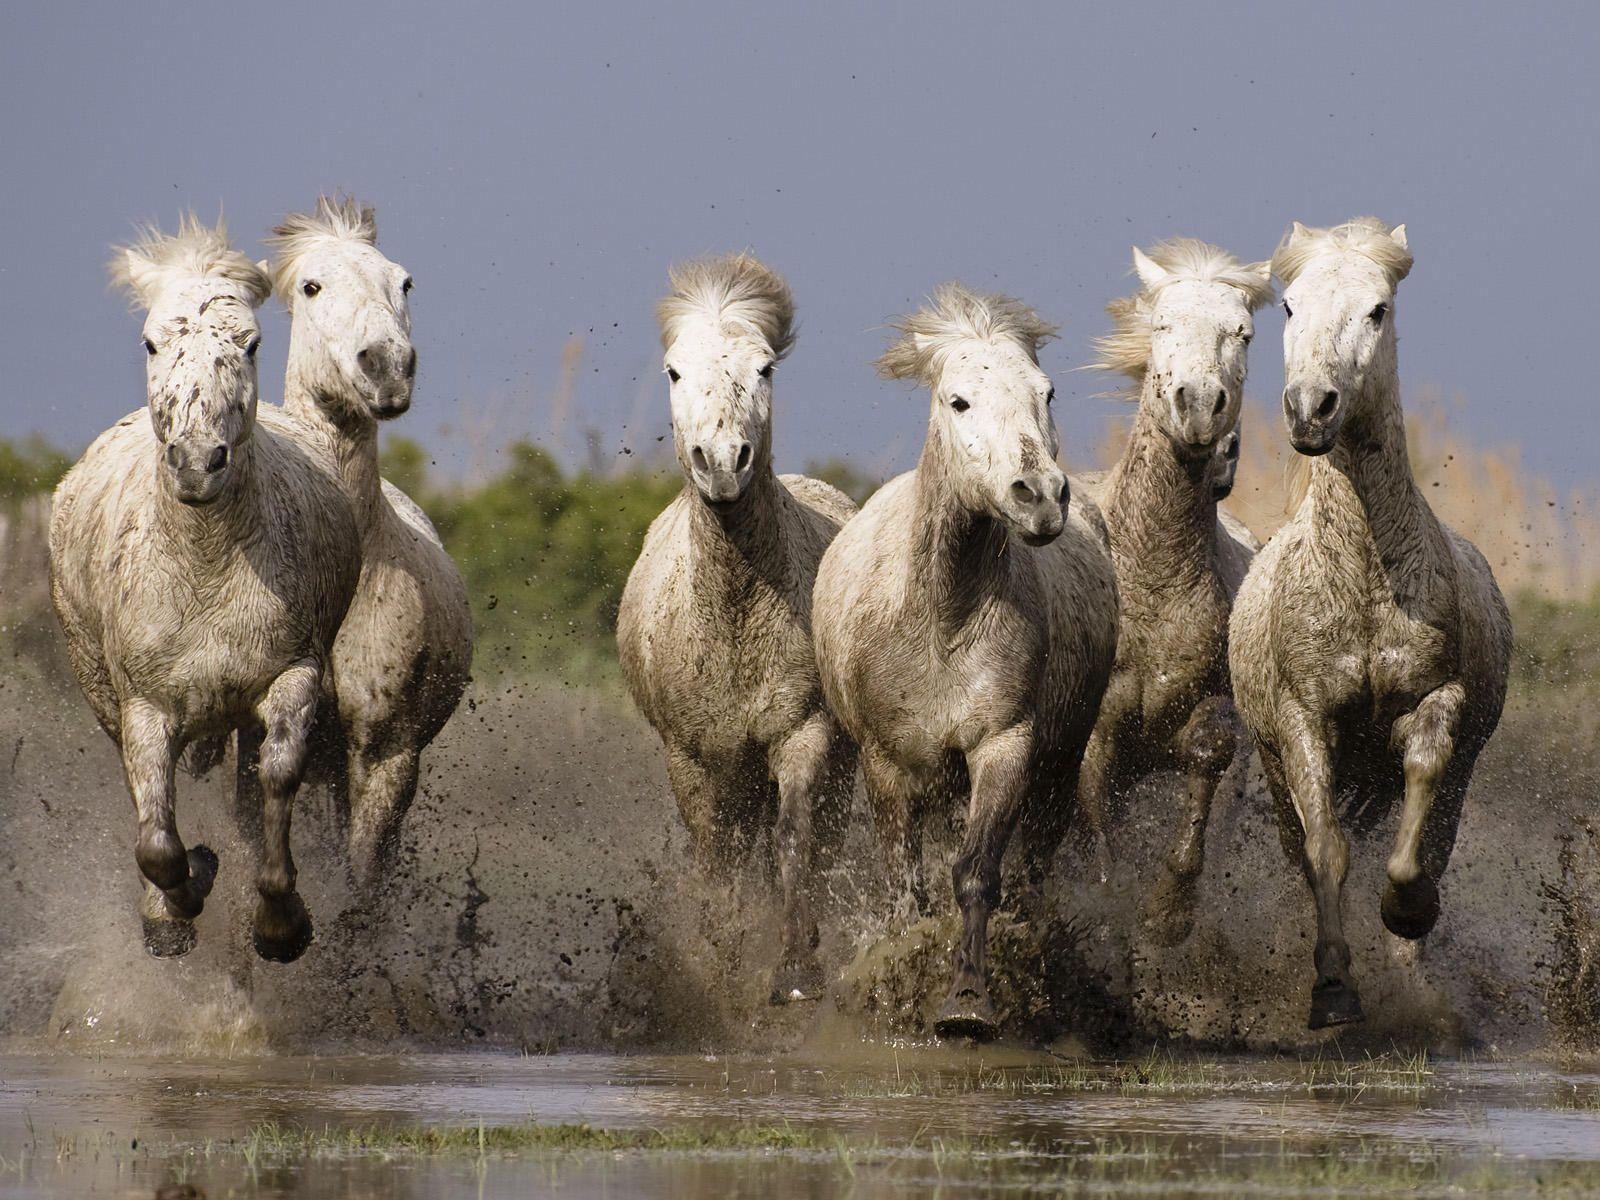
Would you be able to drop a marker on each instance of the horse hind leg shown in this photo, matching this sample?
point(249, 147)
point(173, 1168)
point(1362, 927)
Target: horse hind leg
point(1435, 787)
point(1205, 749)
point(282, 926)
point(177, 880)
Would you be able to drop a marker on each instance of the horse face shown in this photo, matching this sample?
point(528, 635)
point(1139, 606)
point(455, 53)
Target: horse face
point(720, 385)
point(200, 342)
point(352, 326)
point(1338, 330)
point(1199, 333)
point(991, 408)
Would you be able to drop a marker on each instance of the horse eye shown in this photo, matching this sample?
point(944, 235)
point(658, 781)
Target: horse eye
point(252, 346)
point(1050, 396)
point(311, 287)
point(1377, 314)
point(405, 287)
point(960, 405)
point(149, 347)
point(766, 371)
point(673, 375)
point(1245, 335)
point(1287, 311)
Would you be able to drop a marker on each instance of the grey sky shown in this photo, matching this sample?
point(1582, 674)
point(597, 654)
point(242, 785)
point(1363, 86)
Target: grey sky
point(537, 167)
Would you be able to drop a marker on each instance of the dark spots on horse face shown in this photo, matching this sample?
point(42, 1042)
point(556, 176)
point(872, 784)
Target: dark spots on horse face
point(205, 304)
point(1030, 460)
point(194, 392)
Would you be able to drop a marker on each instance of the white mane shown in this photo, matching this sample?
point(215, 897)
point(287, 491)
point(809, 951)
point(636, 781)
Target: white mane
point(154, 261)
point(1366, 236)
point(734, 290)
point(955, 314)
point(1126, 349)
point(340, 218)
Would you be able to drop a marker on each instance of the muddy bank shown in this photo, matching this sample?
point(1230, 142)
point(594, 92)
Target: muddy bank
point(545, 902)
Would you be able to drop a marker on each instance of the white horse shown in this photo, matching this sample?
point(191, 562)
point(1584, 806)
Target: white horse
point(966, 624)
point(1369, 644)
point(404, 651)
point(1182, 339)
point(714, 631)
point(200, 566)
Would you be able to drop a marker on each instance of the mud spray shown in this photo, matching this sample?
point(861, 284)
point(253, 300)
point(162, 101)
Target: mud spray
point(545, 901)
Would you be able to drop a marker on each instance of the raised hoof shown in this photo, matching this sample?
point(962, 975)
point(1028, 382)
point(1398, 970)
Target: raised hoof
point(282, 929)
point(967, 1014)
point(1334, 1004)
point(169, 939)
point(1411, 912)
point(793, 983)
point(1168, 917)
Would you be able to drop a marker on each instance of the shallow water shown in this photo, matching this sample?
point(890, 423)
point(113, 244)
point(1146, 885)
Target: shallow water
point(886, 1122)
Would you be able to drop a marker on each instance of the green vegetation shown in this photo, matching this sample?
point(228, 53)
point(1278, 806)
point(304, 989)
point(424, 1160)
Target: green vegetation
point(28, 467)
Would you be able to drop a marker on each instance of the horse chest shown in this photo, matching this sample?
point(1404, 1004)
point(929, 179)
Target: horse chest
point(1173, 652)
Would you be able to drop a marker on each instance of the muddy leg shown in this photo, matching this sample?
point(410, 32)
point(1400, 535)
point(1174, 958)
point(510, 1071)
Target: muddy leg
point(1097, 775)
point(893, 820)
point(1325, 860)
point(999, 770)
point(381, 792)
point(1205, 747)
point(247, 800)
point(282, 925)
point(711, 843)
point(800, 765)
point(1427, 736)
point(178, 880)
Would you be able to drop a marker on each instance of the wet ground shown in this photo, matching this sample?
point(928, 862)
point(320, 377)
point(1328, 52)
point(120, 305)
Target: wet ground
point(863, 1122)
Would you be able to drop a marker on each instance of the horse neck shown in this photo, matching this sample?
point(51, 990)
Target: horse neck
point(351, 438)
point(739, 550)
point(960, 556)
point(1367, 479)
point(1159, 508)
point(209, 532)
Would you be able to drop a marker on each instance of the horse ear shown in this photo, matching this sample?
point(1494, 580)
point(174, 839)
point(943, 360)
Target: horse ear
point(1261, 270)
point(1151, 273)
point(1398, 233)
point(1297, 232)
point(264, 266)
point(137, 274)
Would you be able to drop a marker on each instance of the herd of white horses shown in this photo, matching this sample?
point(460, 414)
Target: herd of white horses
point(983, 633)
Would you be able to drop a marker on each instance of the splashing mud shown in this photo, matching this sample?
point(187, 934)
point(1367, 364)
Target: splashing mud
point(545, 900)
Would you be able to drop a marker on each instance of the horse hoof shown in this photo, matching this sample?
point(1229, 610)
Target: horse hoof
point(1411, 911)
point(169, 939)
point(967, 1014)
point(797, 981)
point(1333, 1004)
point(282, 929)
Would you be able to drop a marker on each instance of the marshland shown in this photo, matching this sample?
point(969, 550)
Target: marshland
point(496, 697)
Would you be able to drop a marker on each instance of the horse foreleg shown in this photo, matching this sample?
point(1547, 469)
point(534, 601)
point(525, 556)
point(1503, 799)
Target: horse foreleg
point(247, 787)
point(890, 797)
point(800, 765)
point(710, 843)
point(380, 794)
point(1204, 749)
point(1426, 736)
point(998, 767)
point(282, 925)
point(177, 880)
point(1308, 768)
point(1097, 774)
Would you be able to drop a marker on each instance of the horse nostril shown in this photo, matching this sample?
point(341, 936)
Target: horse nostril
point(1024, 493)
point(411, 364)
point(364, 358)
point(744, 457)
point(1330, 401)
point(1221, 403)
point(1177, 396)
point(698, 457)
point(217, 460)
point(172, 455)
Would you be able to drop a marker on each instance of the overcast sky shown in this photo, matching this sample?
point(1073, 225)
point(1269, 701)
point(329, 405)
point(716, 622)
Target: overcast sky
point(538, 166)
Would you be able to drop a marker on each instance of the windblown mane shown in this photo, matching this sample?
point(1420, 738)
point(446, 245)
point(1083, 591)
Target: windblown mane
point(1126, 349)
point(1363, 235)
point(155, 260)
point(339, 217)
point(732, 289)
point(955, 314)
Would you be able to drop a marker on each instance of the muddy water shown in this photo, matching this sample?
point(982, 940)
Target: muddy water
point(900, 1117)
